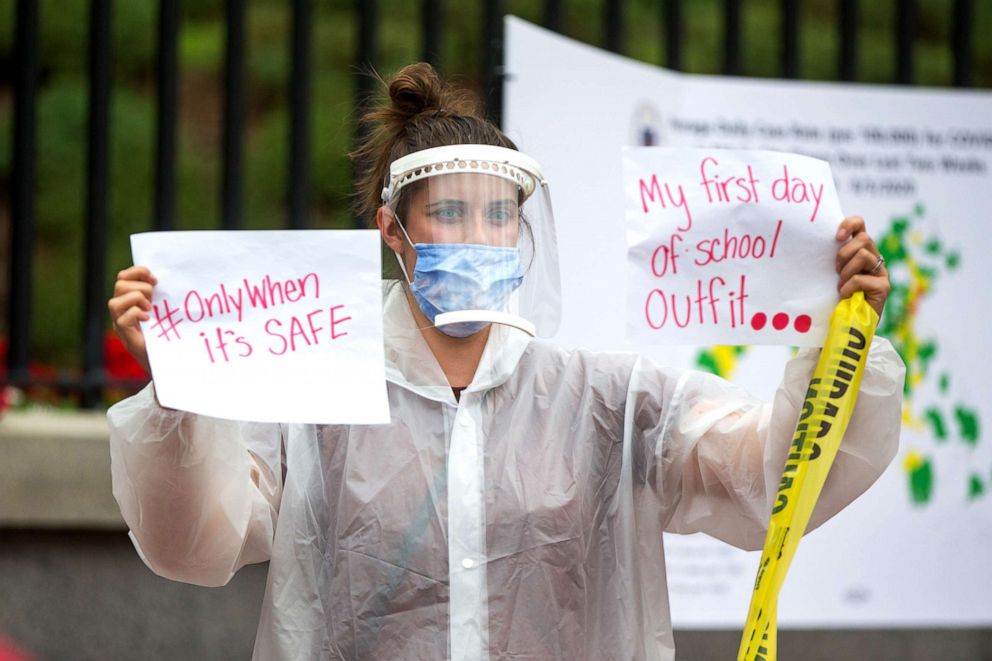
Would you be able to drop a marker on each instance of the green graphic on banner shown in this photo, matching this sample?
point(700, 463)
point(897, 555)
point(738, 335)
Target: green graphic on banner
point(919, 470)
point(915, 263)
point(720, 359)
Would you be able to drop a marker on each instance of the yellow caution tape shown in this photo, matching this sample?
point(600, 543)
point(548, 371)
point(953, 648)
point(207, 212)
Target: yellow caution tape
point(826, 411)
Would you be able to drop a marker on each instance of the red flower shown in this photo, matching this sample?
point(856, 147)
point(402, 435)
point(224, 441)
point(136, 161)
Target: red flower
point(119, 362)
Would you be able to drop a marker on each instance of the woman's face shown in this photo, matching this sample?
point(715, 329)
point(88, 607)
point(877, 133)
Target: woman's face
point(463, 208)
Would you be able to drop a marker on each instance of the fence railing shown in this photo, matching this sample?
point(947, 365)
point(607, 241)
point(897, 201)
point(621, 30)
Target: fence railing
point(92, 378)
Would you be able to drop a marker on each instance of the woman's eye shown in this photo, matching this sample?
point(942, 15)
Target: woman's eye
point(500, 216)
point(446, 213)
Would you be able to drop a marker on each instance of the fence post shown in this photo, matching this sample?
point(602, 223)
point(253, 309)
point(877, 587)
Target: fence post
point(492, 60)
point(552, 15)
point(165, 134)
point(848, 39)
point(961, 42)
point(905, 32)
point(232, 202)
point(672, 20)
point(22, 189)
point(98, 167)
point(431, 24)
point(299, 110)
point(614, 25)
point(790, 38)
point(732, 38)
point(364, 83)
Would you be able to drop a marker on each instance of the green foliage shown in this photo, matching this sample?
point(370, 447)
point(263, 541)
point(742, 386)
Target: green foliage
point(63, 99)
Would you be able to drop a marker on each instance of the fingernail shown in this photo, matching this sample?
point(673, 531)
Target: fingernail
point(841, 234)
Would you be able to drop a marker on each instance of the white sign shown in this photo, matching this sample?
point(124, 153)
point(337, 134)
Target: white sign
point(274, 326)
point(729, 247)
point(916, 163)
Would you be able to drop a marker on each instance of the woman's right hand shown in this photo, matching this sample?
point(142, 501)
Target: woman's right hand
point(129, 306)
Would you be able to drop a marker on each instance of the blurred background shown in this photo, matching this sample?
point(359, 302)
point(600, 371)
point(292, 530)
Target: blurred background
point(122, 117)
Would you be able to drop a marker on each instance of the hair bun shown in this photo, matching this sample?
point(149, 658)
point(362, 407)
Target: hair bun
point(422, 111)
point(416, 89)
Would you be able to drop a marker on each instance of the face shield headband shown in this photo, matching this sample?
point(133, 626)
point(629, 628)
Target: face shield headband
point(479, 219)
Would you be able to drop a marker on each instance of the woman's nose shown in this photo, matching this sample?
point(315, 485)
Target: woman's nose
point(477, 230)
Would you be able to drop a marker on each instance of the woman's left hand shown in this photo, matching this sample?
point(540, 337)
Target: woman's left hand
point(860, 264)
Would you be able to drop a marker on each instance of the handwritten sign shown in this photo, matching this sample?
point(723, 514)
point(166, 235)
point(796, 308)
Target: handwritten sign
point(274, 326)
point(729, 247)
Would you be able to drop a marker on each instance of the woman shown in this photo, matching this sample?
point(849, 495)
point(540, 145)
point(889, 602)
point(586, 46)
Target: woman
point(514, 506)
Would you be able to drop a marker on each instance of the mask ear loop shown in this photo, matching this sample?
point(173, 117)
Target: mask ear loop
point(399, 259)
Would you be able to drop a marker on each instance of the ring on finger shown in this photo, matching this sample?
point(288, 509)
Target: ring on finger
point(878, 266)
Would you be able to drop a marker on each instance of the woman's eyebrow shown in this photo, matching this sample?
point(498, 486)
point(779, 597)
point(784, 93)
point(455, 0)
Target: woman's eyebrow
point(446, 202)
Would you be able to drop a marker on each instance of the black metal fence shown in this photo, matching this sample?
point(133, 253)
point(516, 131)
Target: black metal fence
point(91, 379)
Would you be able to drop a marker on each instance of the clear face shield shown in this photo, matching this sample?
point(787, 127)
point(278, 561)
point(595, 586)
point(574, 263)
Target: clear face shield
point(479, 220)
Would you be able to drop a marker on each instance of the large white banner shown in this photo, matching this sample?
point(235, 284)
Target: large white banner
point(917, 164)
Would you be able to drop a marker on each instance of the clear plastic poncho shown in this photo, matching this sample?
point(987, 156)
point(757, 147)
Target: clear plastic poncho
point(523, 521)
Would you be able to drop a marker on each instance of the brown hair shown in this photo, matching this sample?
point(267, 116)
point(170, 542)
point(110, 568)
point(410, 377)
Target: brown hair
point(422, 111)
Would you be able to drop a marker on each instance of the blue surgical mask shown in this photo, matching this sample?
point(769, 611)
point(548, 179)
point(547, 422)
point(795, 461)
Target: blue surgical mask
point(459, 276)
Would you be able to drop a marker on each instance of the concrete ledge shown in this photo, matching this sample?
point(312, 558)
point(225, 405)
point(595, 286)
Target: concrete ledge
point(55, 471)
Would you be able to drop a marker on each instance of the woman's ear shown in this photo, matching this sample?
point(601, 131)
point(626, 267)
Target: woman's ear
point(389, 228)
